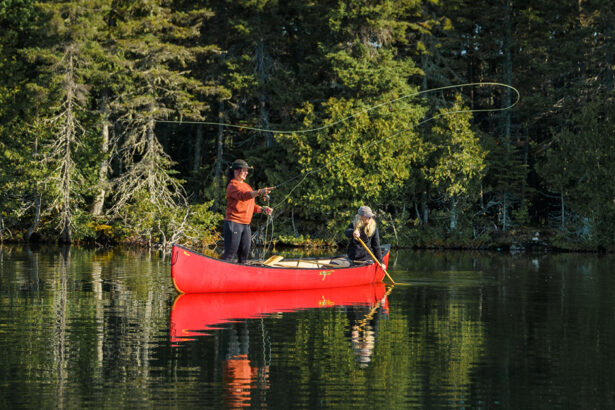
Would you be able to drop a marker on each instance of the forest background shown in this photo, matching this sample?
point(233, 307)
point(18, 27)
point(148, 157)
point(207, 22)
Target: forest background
point(110, 114)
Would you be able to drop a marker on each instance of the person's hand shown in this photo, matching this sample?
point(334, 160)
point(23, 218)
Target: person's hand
point(267, 210)
point(265, 191)
point(356, 234)
point(384, 266)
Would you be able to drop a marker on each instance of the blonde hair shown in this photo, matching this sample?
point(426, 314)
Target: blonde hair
point(369, 228)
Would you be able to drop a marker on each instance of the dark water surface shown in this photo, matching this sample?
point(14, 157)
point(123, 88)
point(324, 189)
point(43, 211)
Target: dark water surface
point(84, 328)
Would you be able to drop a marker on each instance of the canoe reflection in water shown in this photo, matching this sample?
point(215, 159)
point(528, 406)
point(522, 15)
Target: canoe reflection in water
point(196, 315)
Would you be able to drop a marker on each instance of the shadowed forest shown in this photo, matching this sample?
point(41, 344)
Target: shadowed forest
point(118, 120)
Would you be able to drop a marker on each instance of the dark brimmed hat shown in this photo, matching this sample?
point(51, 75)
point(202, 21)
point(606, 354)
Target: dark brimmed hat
point(365, 211)
point(240, 164)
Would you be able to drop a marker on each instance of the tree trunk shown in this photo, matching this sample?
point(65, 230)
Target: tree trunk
point(198, 139)
point(417, 211)
point(292, 221)
point(563, 211)
point(453, 223)
point(505, 216)
point(67, 165)
point(425, 208)
point(103, 169)
point(507, 99)
point(581, 47)
point(37, 206)
point(65, 235)
point(37, 218)
point(526, 154)
point(196, 159)
point(608, 39)
point(261, 75)
point(220, 146)
point(149, 155)
point(508, 75)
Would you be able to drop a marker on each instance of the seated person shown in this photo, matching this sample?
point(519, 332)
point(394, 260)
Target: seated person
point(363, 226)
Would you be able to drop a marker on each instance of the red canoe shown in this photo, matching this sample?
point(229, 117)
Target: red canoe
point(193, 272)
point(194, 314)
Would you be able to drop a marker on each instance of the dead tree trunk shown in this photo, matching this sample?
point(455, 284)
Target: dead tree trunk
point(103, 169)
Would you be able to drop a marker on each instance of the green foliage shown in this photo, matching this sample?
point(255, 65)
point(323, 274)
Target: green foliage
point(153, 45)
point(521, 215)
point(363, 147)
point(580, 164)
point(362, 162)
point(145, 222)
point(202, 225)
point(421, 236)
point(85, 228)
point(88, 83)
point(459, 157)
point(504, 179)
point(300, 241)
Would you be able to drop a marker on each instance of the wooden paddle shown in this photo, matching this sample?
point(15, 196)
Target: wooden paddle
point(375, 259)
point(273, 259)
point(370, 314)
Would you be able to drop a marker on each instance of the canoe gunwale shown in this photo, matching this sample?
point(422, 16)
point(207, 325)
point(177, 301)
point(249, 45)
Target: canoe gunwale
point(385, 250)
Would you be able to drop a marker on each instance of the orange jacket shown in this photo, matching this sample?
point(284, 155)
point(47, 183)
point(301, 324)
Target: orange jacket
point(240, 206)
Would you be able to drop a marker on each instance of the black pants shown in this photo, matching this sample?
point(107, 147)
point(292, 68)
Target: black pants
point(237, 241)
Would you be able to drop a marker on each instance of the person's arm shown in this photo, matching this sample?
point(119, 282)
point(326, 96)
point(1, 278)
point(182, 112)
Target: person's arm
point(348, 232)
point(240, 192)
point(243, 192)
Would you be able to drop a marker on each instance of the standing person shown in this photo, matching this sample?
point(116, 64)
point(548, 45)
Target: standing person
point(364, 226)
point(240, 206)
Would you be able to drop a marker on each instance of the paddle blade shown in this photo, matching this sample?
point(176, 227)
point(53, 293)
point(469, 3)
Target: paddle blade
point(273, 259)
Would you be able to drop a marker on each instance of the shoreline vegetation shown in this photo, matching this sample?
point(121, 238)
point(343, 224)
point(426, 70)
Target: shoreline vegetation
point(119, 119)
point(516, 241)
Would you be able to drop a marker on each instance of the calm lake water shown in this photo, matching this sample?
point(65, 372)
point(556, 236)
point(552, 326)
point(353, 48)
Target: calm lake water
point(85, 328)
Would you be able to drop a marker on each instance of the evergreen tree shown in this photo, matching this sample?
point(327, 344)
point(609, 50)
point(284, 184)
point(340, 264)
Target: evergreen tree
point(247, 34)
point(459, 159)
point(578, 166)
point(353, 159)
point(18, 178)
point(70, 33)
point(153, 45)
point(488, 32)
point(565, 66)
